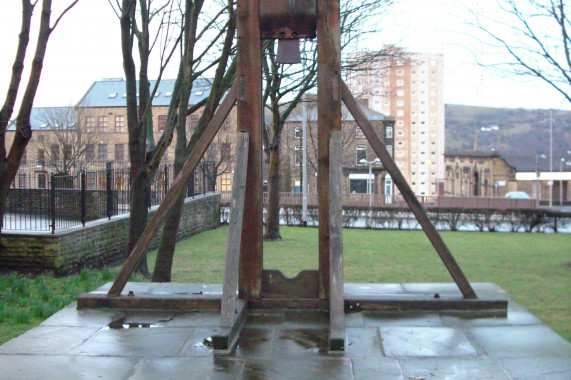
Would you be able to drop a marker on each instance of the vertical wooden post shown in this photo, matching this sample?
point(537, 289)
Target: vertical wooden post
point(329, 119)
point(336, 296)
point(249, 78)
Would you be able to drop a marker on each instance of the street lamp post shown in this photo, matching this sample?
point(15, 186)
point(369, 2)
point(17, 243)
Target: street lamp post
point(561, 182)
point(567, 163)
point(537, 173)
point(370, 184)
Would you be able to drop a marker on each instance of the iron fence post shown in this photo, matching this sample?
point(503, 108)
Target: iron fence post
point(83, 206)
point(109, 192)
point(166, 188)
point(53, 202)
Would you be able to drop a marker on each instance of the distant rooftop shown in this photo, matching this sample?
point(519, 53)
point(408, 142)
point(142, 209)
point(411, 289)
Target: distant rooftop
point(345, 114)
point(41, 117)
point(472, 153)
point(110, 92)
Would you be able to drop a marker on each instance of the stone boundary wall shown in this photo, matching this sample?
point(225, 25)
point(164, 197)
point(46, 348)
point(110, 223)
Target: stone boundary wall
point(99, 243)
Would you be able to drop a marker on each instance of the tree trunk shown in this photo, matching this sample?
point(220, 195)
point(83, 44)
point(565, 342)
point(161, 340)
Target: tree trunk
point(164, 260)
point(140, 193)
point(273, 213)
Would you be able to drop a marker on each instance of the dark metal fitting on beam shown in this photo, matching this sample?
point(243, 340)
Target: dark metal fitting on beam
point(288, 51)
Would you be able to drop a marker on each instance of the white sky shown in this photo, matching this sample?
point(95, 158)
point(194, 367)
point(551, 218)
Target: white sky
point(85, 48)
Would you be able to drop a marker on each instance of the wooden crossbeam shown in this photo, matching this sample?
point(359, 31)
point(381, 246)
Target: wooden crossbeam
point(178, 186)
point(336, 297)
point(230, 286)
point(408, 194)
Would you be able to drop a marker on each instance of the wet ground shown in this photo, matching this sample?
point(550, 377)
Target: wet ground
point(115, 344)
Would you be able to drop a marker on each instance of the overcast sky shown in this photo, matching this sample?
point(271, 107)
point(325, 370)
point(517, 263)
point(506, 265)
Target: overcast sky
point(85, 48)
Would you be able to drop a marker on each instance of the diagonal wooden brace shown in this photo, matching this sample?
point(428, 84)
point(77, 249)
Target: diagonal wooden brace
point(178, 186)
point(408, 194)
point(230, 315)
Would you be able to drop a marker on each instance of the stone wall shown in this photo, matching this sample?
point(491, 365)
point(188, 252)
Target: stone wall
point(99, 243)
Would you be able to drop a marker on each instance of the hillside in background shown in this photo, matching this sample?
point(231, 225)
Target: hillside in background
point(510, 131)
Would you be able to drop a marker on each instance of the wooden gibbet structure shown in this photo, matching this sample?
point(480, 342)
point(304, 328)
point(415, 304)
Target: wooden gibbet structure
point(246, 283)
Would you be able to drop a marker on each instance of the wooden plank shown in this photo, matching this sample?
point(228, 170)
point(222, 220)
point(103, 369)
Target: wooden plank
point(336, 296)
point(249, 76)
point(150, 302)
point(408, 195)
point(477, 306)
point(225, 338)
point(276, 285)
point(329, 119)
point(177, 187)
point(230, 285)
point(289, 303)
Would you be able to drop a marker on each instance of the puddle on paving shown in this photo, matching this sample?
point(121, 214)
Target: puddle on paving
point(120, 324)
point(206, 344)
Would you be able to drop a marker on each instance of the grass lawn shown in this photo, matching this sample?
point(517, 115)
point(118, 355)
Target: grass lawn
point(533, 268)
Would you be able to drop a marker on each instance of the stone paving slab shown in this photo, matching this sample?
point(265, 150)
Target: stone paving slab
point(286, 344)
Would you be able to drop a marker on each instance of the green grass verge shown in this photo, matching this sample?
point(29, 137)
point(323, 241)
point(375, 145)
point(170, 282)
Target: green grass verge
point(532, 268)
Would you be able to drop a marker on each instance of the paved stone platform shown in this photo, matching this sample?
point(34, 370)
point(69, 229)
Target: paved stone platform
point(116, 344)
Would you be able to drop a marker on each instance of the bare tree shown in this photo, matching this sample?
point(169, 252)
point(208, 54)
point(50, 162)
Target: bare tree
point(285, 86)
point(10, 162)
point(194, 62)
point(535, 36)
point(67, 142)
point(137, 24)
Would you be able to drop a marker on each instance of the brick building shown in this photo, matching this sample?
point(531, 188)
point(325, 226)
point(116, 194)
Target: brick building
point(478, 173)
point(355, 148)
point(101, 117)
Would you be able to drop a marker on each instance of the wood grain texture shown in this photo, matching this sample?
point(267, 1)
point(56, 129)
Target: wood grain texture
point(249, 75)
point(336, 295)
point(276, 285)
point(230, 285)
point(408, 195)
point(329, 119)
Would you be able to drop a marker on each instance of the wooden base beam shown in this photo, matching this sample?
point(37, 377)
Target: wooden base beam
point(225, 338)
point(479, 307)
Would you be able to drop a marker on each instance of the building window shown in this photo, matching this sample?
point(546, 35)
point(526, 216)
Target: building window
point(400, 92)
point(400, 133)
point(102, 152)
point(361, 154)
point(67, 151)
point(390, 150)
point(226, 182)
point(297, 133)
point(119, 152)
point(119, 123)
point(55, 153)
point(102, 124)
point(400, 123)
point(359, 133)
point(90, 152)
point(400, 113)
point(162, 122)
point(90, 124)
point(400, 103)
point(41, 157)
point(225, 151)
point(400, 143)
point(297, 156)
point(400, 153)
point(400, 82)
point(389, 132)
point(400, 72)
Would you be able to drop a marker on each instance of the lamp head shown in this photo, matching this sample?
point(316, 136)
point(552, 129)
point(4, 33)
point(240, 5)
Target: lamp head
point(362, 161)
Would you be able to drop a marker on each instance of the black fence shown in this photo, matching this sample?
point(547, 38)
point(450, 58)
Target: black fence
point(43, 201)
